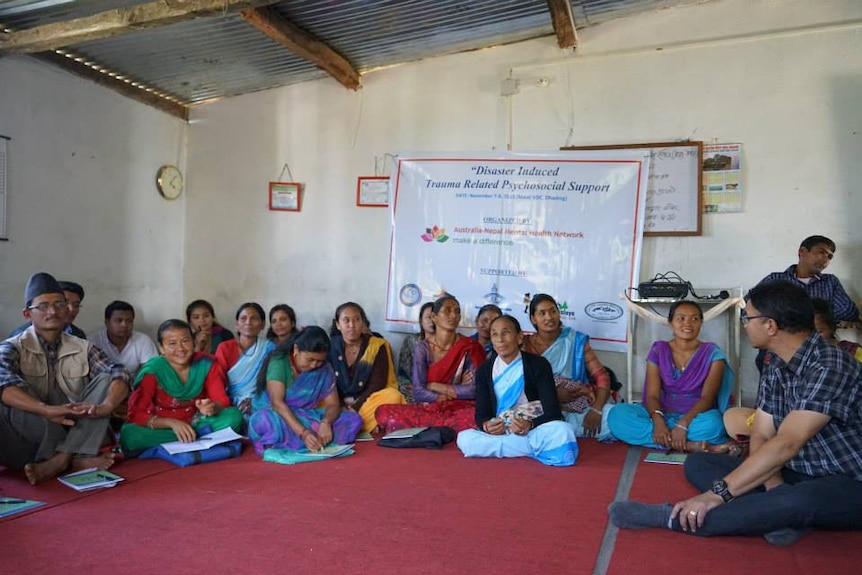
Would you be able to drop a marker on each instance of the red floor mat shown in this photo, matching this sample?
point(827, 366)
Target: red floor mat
point(379, 511)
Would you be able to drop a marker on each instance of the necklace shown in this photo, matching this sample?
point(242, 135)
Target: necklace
point(441, 347)
point(681, 358)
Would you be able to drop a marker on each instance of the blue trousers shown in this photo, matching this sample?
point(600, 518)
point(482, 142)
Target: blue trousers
point(630, 422)
point(552, 443)
point(830, 502)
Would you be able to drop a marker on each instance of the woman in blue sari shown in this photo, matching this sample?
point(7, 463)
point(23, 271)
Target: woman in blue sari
point(242, 358)
point(510, 384)
point(297, 403)
point(583, 383)
point(688, 386)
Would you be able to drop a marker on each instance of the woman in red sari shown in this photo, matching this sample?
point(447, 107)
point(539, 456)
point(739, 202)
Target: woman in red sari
point(444, 366)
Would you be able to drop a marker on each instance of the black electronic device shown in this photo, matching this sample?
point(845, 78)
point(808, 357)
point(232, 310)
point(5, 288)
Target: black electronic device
point(663, 289)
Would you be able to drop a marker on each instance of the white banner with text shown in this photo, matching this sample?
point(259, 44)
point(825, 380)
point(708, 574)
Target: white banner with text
point(501, 227)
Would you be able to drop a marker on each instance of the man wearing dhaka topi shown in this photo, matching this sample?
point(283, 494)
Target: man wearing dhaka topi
point(57, 391)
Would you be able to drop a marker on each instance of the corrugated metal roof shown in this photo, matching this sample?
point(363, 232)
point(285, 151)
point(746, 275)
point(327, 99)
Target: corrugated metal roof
point(208, 58)
point(23, 14)
point(381, 33)
point(202, 59)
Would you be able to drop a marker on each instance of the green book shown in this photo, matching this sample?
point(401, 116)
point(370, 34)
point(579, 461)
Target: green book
point(673, 458)
point(11, 506)
point(87, 479)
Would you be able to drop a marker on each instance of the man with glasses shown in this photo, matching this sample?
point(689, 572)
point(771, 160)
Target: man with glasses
point(805, 467)
point(57, 391)
point(74, 294)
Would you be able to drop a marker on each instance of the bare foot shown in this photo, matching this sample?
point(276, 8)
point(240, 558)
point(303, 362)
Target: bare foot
point(103, 461)
point(728, 448)
point(48, 469)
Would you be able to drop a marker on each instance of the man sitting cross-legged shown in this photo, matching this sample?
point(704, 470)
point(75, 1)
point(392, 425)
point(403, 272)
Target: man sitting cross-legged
point(56, 391)
point(805, 467)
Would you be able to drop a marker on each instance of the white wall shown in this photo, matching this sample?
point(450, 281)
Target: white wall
point(791, 99)
point(82, 202)
point(82, 199)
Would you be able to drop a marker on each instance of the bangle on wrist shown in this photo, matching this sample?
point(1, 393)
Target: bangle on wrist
point(657, 412)
point(594, 410)
point(151, 421)
point(681, 426)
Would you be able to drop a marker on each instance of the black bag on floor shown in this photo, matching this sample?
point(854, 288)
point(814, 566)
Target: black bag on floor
point(431, 438)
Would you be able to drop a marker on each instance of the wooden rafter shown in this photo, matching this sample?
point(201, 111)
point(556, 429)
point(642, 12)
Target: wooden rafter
point(125, 88)
point(118, 21)
point(564, 23)
point(303, 44)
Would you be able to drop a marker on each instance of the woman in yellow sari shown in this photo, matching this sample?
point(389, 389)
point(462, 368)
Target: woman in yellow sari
point(364, 370)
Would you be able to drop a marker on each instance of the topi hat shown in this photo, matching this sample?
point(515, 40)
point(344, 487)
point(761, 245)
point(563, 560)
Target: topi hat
point(39, 284)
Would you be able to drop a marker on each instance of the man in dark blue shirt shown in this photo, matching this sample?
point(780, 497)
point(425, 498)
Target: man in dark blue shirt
point(805, 467)
point(815, 253)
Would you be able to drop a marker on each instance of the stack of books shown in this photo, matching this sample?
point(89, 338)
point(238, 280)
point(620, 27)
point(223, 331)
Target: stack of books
point(88, 479)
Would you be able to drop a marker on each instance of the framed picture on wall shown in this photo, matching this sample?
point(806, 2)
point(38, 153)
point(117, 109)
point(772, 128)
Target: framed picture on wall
point(285, 196)
point(372, 192)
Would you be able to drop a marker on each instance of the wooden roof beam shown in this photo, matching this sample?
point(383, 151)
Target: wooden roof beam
point(564, 23)
point(303, 44)
point(116, 22)
point(141, 94)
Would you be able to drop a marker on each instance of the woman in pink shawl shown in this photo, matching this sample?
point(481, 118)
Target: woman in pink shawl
point(688, 385)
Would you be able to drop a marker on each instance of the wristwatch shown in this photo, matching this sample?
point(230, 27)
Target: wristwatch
point(719, 487)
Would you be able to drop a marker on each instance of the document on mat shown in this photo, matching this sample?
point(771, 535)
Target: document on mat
point(330, 451)
point(202, 442)
point(408, 432)
point(88, 479)
point(664, 457)
point(11, 506)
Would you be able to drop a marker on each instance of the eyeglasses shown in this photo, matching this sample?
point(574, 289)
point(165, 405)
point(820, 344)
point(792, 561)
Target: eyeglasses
point(75, 304)
point(46, 305)
point(744, 319)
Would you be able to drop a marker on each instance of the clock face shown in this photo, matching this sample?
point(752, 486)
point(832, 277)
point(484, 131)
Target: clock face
point(169, 181)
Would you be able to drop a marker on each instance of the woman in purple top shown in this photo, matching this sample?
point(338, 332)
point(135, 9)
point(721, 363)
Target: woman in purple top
point(688, 385)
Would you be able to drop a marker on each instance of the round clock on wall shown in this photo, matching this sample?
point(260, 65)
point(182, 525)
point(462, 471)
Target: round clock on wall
point(169, 181)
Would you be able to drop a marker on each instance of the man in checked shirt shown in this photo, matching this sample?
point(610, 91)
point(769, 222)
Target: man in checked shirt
point(57, 391)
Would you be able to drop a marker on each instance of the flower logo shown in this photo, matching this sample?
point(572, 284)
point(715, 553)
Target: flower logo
point(434, 234)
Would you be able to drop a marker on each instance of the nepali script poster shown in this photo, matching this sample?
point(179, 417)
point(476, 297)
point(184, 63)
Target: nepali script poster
point(501, 227)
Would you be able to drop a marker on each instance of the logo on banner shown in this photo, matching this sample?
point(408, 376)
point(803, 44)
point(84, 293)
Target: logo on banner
point(564, 310)
point(434, 234)
point(410, 294)
point(494, 296)
point(604, 311)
